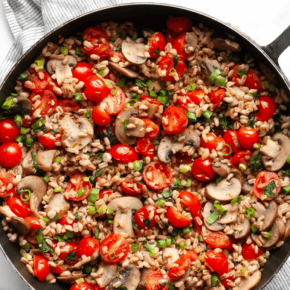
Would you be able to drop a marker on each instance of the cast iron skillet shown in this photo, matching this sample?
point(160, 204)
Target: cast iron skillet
point(146, 15)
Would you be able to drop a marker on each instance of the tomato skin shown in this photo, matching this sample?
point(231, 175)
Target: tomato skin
point(266, 108)
point(105, 191)
point(40, 267)
point(123, 153)
point(248, 252)
point(247, 137)
point(156, 41)
point(152, 281)
point(64, 221)
point(145, 147)
point(216, 97)
point(88, 246)
point(157, 175)
point(264, 178)
point(154, 129)
point(95, 32)
point(191, 97)
point(253, 82)
point(9, 132)
point(58, 269)
point(128, 189)
point(82, 71)
point(68, 105)
point(33, 222)
point(48, 140)
point(231, 138)
point(193, 256)
point(202, 169)
point(114, 54)
point(227, 282)
point(82, 286)
point(179, 25)
point(170, 36)
point(216, 239)
point(96, 89)
point(150, 100)
point(232, 241)
point(176, 120)
point(34, 83)
point(100, 116)
point(179, 44)
point(216, 262)
point(212, 143)
point(243, 157)
point(10, 154)
point(235, 74)
point(18, 207)
point(114, 248)
point(190, 201)
point(176, 219)
point(6, 178)
point(143, 214)
point(99, 47)
point(180, 269)
point(70, 248)
point(114, 104)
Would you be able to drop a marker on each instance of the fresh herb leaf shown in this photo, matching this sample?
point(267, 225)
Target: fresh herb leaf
point(126, 122)
point(242, 72)
point(255, 163)
point(268, 190)
point(237, 199)
point(175, 60)
point(135, 227)
point(286, 172)
point(77, 217)
point(157, 51)
point(249, 212)
point(147, 222)
point(217, 179)
point(71, 256)
point(220, 210)
point(177, 184)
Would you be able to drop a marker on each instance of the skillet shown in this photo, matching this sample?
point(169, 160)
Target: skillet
point(147, 15)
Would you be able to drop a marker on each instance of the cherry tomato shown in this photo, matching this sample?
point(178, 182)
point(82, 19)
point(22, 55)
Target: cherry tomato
point(150, 100)
point(114, 103)
point(170, 36)
point(96, 89)
point(82, 286)
point(40, 267)
point(232, 241)
point(6, 178)
point(167, 63)
point(216, 262)
point(100, 116)
point(157, 175)
point(130, 187)
point(77, 188)
point(262, 180)
point(190, 201)
point(179, 43)
point(179, 25)
point(156, 44)
point(35, 83)
point(68, 105)
point(193, 256)
point(248, 252)
point(95, 32)
point(191, 97)
point(228, 282)
point(216, 239)
point(235, 74)
point(88, 246)
point(142, 215)
point(145, 147)
point(198, 222)
point(202, 169)
point(9, 132)
point(58, 269)
point(123, 153)
point(99, 47)
point(242, 157)
point(10, 154)
point(182, 158)
point(152, 281)
point(266, 108)
point(105, 192)
point(69, 253)
point(50, 86)
point(152, 130)
point(247, 137)
point(28, 122)
point(33, 222)
point(116, 54)
point(82, 71)
point(46, 104)
point(66, 221)
point(231, 138)
point(180, 269)
point(177, 219)
point(176, 120)
point(212, 143)
point(253, 82)
point(216, 97)
point(114, 248)
point(48, 140)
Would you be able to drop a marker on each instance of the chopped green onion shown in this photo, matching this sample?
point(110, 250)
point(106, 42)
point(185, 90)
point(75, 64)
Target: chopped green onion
point(29, 195)
point(101, 72)
point(186, 230)
point(160, 202)
point(212, 218)
point(183, 245)
point(81, 191)
point(237, 199)
point(201, 257)
point(220, 210)
point(78, 51)
point(57, 189)
point(114, 91)
point(242, 167)
point(94, 195)
point(134, 37)
point(29, 142)
point(288, 159)
point(126, 122)
point(169, 241)
point(253, 228)
point(135, 247)
point(86, 178)
point(215, 281)
point(99, 172)
point(97, 232)
point(77, 217)
point(242, 72)
point(23, 131)
point(258, 146)
point(17, 120)
point(188, 183)
point(217, 179)
point(267, 235)
point(191, 117)
point(110, 221)
point(164, 100)
point(7, 104)
point(192, 87)
point(92, 210)
point(172, 72)
point(39, 65)
point(286, 189)
point(214, 75)
point(46, 179)
point(153, 94)
point(220, 81)
point(243, 271)
point(23, 77)
point(150, 248)
point(19, 139)
point(137, 165)
point(161, 243)
point(201, 238)
point(110, 211)
point(45, 219)
point(185, 169)
point(263, 197)
point(140, 84)
point(102, 208)
point(38, 125)
point(78, 97)
point(207, 114)
point(88, 269)
point(122, 82)
point(148, 83)
point(57, 159)
point(230, 150)
point(249, 212)
point(64, 50)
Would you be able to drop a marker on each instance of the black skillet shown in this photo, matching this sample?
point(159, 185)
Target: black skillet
point(147, 15)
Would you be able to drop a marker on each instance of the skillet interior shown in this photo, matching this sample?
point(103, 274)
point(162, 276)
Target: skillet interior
point(143, 15)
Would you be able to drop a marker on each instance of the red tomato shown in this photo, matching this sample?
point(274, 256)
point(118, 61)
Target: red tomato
point(235, 74)
point(95, 32)
point(152, 281)
point(228, 282)
point(78, 186)
point(191, 97)
point(116, 54)
point(156, 44)
point(9, 132)
point(130, 187)
point(82, 71)
point(40, 267)
point(66, 221)
point(182, 158)
point(10, 154)
point(231, 138)
point(247, 137)
point(232, 241)
point(71, 249)
point(216, 97)
point(35, 83)
point(46, 104)
point(114, 248)
point(152, 130)
point(179, 25)
point(193, 256)
point(57, 269)
point(31, 237)
point(48, 140)
point(253, 82)
point(33, 222)
point(216, 262)
point(68, 105)
point(180, 269)
point(28, 122)
point(6, 178)
point(266, 108)
point(150, 100)
point(82, 286)
point(88, 246)
point(105, 192)
point(176, 120)
point(143, 214)
point(114, 103)
point(145, 147)
point(167, 63)
point(96, 89)
point(242, 157)
point(170, 36)
point(100, 116)
point(99, 47)
point(176, 218)
point(262, 180)
point(157, 175)
point(190, 201)
point(50, 86)
point(202, 169)
point(179, 43)
point(216, 239)
point(248, 252)
point(212, 143)
point(123, 153)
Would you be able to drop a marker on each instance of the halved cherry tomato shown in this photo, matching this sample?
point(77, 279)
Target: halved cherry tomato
point(157, 175)
point(216, 262)
point(95, 32)
point(202, 169)
point(152, 281)
point(249, 253)
point(198, 222)
point(114, 103)
point(88, 246)
point(235, 74)
point(114, 248)
point(216, 97)
point(116, 56)
point(262, 180)
point(82, 286)
point(228, 282)
point(212, 143)
point(131, 188)
point(100, 116)
point(10, 154)
point(156, 44)
point(247, 137)
point(35, 83)
point(177, 219)
point(232, 241)
point(231, 138)
point(179, 44)
point(142, 215)
point(176, 120)
point(78, 187)
point(28, 122)
point(266, 108)
point(180, 269)
point(66, 221)
point(69, 253)
point(58, 269)
point(150, 100)
point(33, 222)
point(99, 47)
point(182, 158)
point(123, 153)
point(193, 256)
point(253, 82)
point(191, 97)
point(48, 140)
point(5, 178)
point(105, 192)
point(96, 90)
point(50, 86)
point(82, 71)
point(242, 157)
point(216, 239)
point(40, 267)
point(152, 130)
point(190, 201)
point(9, 132)
point(145, 147)
point(170, 36)
point(167, 63)
point(179, 25)
point(68, 105)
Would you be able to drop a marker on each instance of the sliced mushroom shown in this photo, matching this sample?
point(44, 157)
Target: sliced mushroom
point(170, 256)
point(221, 169)
point(250, 282)
point(191, 40)
point(129, 276)
point(62, 71)
point(225, 44)
point(134, 52)
point(124, 71)
point(287, 231)
point(208, 66)
point(78, 133)
point(27, 162)
point(277, 232)
point(107, 272)
point(231, 214)
point(70, 279)
point(23, 103)
point(191, 137)
point(152, 109)
point(38, 188)
point(145, 271)
point(123, 206)
point(245, 228)
point(275, 157)
point(59, 204)
point(208, 207)
point(247, 188)
point(45, 159)
point(137, 129)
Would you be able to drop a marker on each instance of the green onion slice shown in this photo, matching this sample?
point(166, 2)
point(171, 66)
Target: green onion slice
point(230, 150)
point(212, 218)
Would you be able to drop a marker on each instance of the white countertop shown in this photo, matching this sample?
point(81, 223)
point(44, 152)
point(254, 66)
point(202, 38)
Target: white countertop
point(261, 21)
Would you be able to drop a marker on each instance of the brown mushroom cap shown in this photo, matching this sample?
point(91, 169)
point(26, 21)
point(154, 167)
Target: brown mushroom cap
point(145, 271)
point(216, 226)
point(287, 231)
point(224, 45)
point(250, 282)
point(277, 232)
point(129, 276)
point(24, 103)
point(208, 66)
point(221, 169)
point(70, 279)
point(247, 188)
point(59, 204)
point(124, 71)
point(27, 161)
point(246, 228)
point(134, 52)
point(45, 159)
point(152, 108)
point(107, 273)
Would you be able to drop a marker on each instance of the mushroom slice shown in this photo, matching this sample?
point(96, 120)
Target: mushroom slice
point(225, 44)
point(270, 213)
point(250, 282)
point(107, 273)
point(62, 71)
point(287, 231)
point(145, 271)
point(129, 276)
point(166, 147)
point(38, 188)
point(231, 214)
point(70, 279)
point(208, 207)
point(124, 71)
point(123, 206)
point(170, 256)
point(275, 157)
point(138, 128)
point(191, 39)
point(247, 188)
point(246, 228)
point(191, 137)
point(27, 162)
point(277, 232)
point(45, 159)
point(221, 169)
point(152, 108)
point(208, 66)
point(59, 204)
point(23, 105)
point(134, 52)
